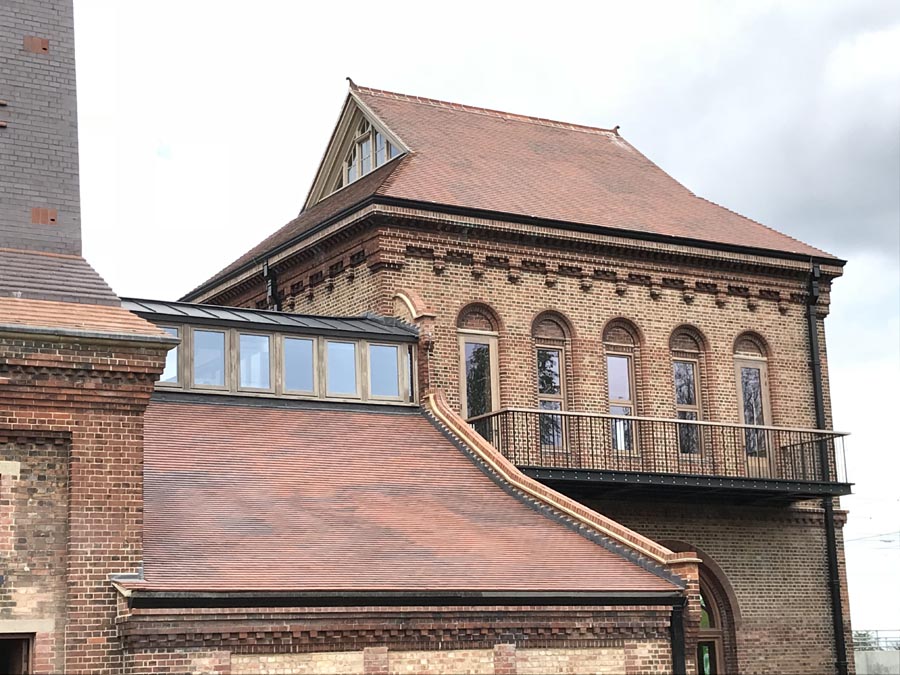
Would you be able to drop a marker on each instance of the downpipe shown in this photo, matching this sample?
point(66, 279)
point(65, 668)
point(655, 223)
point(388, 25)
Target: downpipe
point(834, 579)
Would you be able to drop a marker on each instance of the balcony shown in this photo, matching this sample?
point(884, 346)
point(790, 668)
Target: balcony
point(594, 454)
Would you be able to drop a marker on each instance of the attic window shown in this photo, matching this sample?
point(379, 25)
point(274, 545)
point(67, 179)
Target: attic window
point(370, 149)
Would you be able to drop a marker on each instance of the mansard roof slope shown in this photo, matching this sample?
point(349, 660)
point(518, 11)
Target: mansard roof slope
point(508, 165)
point(250, 497)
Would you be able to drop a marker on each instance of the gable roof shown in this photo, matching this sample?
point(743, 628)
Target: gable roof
point(504, 164)
point(241, 497)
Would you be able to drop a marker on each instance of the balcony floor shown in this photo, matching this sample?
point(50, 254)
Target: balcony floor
point(641, 485)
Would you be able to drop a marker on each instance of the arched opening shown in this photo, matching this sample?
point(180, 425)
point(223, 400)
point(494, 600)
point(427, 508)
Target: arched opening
point(621, 344)
point(478, 328)
point(551, 334)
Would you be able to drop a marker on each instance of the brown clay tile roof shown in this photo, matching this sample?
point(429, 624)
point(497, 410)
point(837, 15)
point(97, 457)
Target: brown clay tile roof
point(310, 499)
point(85, 318)
point(475, 158)
point(485, 159)
point(52, 276)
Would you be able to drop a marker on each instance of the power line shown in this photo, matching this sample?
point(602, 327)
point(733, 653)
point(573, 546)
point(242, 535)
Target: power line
point(873, 536)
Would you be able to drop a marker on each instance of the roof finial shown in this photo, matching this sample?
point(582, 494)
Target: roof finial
point(615, 128)
point(352, 83)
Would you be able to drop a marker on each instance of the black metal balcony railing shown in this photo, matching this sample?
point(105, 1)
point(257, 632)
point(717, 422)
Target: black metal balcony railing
point(600, 442)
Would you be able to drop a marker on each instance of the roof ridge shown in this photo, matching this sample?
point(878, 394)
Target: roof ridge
point(490, 112)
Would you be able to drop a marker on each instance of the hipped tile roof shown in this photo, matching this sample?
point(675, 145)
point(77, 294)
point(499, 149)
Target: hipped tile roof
point(250, 498)
point(485, 160)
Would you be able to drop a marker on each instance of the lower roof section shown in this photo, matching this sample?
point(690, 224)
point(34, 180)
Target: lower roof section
point(250, 497)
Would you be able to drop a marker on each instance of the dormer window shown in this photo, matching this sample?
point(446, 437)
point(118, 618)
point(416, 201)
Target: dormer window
point(369, 150)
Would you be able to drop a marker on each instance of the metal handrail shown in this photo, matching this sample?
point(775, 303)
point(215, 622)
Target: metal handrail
point(829, 433)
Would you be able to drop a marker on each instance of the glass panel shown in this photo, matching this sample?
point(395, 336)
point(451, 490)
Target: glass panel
point(384, 375)
point(342, 368)
point(622, 436)
point(365, 155)
point(752, 402)
point(254, 356)
point(688, 434)
point(548, 367)
point(478, 378)
point(394, 150)
point(618, 371)
point(551, 425)
point(170, 373)
point(705, 616)
point(685, 383)
point(298, 365)
point(706, 658)
point(380, 149)
point(209, 358)
point(351, 165)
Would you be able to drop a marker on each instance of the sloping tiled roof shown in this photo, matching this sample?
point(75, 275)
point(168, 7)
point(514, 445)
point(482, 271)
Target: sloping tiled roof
point(485, 159)
point(474, 158)
point(50, 316)
point(241, 498)
point(52, 276)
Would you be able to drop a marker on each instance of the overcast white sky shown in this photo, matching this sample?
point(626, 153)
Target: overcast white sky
point(203, 121)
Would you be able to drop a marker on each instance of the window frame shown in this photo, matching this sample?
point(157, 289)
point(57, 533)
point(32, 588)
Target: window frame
point(227, 365)
point(360, 376)
point(631, 403)
point(179, 359)
point(402, 394)
point(697, 408)
point(762, 363)
point(282, 370)
point(237, 366)
point(356, 145)
point(489, 338)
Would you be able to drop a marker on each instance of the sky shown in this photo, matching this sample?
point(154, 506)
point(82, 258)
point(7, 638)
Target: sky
point(202, 123)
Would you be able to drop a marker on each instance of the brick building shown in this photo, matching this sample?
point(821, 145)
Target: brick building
point(503, 398)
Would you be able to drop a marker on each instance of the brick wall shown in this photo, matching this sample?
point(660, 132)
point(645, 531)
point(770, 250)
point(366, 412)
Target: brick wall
point(589, 283)
point(39, 171)
point(397, 641)
point(91, 396)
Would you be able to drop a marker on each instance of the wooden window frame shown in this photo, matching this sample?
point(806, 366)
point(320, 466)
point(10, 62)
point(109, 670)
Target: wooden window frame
point(29, 639)
point(226, 357)
point(402, 382)
point(356, 145)
point(489, 338)
point(237, 364)
point(627, 353)
point(563, 361)
point(282, 366)
point(697, 408)
point(715, 633)
point(761, 362)
point(179, 359)
point(361, 376)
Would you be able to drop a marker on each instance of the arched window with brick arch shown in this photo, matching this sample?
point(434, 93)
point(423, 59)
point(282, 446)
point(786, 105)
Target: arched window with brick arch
point(621, 343)
point(551, 333)
point(688, 350)
point(751, 371)
point(478, 328)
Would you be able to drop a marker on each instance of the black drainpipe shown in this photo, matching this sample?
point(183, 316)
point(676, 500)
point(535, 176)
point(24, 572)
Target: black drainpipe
point(676, 634)
point(834, 579)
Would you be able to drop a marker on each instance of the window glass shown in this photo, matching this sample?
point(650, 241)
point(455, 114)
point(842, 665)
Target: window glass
point(617, 368)
point(751, 385)
point(478, 378)
point(365, 155)
point(170, 373)
point(549, 381)
point(341, 373)
point(209, 358)
point(394, 151)
point(380, 149)
point(551, 426)
point(254, 357)
point(685, 383)
point(298, 364)
point(351, 165)
point(384, 377)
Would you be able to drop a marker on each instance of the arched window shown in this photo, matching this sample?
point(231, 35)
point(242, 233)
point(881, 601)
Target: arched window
point(686, 346)
point(620, 341)
point(710, 647)
point(752, 379)
point(551, 333)
point(478, 327)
